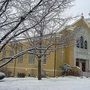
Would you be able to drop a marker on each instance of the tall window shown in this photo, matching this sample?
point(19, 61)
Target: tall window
point(11, 53)
point(20, 58)
point(32, 58)
point(43, 57)
point(3, 54)
point(78, 43)
point(82, 41)
point(85, 43)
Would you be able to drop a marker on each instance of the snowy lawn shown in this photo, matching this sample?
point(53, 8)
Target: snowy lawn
point(61, 83)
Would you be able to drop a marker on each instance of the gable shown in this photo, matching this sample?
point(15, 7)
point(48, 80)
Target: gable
point(81, 23)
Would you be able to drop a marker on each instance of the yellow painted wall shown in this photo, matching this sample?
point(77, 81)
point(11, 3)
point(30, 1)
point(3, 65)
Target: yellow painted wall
point(69, 55)
point(52, 63)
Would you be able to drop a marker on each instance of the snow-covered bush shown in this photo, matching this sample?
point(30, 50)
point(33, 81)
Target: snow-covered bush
point(66, 68)
point(75, 71)
point(2, 75)
point(6, 71)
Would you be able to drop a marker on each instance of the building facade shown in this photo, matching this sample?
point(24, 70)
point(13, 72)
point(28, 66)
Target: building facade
point(71, 48)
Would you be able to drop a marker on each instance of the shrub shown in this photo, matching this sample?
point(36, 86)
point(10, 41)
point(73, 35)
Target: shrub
point(65, 69)
point(75, 71)
point(6, 71)
point(2, 75)
point(68, 70)
point(21, 75)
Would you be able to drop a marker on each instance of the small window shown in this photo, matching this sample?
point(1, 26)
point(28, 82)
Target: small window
point(85, 43)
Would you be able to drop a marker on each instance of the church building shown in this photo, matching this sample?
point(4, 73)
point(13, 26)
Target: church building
point(72, 48)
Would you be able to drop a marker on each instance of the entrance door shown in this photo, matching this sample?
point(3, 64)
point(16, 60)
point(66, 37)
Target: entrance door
point(81, 63)
point(83, 66)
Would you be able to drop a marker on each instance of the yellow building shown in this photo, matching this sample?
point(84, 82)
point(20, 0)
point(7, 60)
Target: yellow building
point(71, 47)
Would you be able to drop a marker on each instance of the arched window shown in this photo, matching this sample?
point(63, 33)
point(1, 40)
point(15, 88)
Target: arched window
point(85, 43)
point(78, 43)
point(81, 41)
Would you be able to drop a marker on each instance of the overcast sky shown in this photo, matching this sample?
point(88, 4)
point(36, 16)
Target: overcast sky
point(80, 6)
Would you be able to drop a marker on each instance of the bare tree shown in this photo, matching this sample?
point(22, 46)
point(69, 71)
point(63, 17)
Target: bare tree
point(35, 20)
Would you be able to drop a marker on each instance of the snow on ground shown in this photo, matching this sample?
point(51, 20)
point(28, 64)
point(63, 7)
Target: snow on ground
point(61, 83)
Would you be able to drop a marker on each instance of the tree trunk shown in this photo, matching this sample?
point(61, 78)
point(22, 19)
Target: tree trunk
point(39, 69)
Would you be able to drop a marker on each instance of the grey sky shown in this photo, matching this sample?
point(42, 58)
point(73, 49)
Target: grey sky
point(80, 6)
